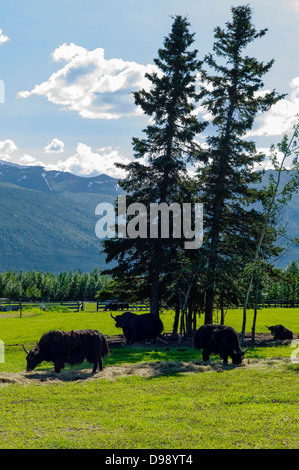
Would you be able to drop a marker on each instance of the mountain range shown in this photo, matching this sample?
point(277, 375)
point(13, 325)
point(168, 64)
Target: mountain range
point(47, 219)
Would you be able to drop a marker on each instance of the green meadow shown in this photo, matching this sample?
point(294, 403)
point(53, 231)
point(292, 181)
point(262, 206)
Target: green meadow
point(149, 397)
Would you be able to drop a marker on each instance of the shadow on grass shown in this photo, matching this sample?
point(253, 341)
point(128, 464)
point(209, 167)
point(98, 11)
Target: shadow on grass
point(135, 360)
point(144, 369)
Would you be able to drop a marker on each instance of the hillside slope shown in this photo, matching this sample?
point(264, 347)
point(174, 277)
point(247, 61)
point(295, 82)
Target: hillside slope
point(47, 219)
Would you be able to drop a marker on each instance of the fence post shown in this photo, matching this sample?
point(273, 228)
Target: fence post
point(20, 310)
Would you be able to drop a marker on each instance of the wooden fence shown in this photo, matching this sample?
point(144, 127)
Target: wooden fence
point(278, 304)
point(78, 306)
point(75, 306)
point(19, 306)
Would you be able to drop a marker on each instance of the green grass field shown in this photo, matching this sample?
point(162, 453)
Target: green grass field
point(147, 397)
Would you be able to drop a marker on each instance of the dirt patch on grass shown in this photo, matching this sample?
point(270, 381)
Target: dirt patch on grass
point(148, 369)
point(261, 340)
point(142, 369)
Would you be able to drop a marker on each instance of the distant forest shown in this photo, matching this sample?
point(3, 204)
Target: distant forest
point(69, 286)
point(40, 286)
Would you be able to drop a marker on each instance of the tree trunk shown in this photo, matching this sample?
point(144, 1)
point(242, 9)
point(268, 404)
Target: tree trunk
point(189, 322)
point(209, 305)
point(154, 302)
point(255, 313)
point(221, 309)
point(194, 320)
point(176, 320)
point(245, 311)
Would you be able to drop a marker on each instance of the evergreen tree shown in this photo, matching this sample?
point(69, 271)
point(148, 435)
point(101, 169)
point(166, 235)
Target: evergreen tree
point(168, 145)
point(231, 96)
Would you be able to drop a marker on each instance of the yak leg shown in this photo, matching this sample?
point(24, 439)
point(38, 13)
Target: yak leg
point(205, 355)
point(100, 363)
point(58, 366)
point(95, 364)
point(224, 356)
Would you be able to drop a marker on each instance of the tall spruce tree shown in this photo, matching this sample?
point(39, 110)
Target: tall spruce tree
point(167, 146)
point(231, 96)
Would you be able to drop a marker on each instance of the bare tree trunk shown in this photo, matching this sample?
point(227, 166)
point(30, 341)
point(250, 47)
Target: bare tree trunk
point(221, 309)
point(182, 319)
point(154, 306)
point(194, 320)
point(183, 307)
point(176, 320)
point(209, 305)
point(189, 321)
point(245, 311)
point(255, 313)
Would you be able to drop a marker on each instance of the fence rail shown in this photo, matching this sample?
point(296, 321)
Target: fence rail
point(76, 306)
point(269, 304)
point(278, 303)
point(18, 306)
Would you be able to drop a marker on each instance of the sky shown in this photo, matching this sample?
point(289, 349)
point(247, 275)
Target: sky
point(69, 67)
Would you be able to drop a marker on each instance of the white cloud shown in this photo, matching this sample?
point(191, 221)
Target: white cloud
point(56, 146)
point(66, 52)
point(7, 147)
point(3, 38)
point(92, 86)
point(86, 161)
point(28, 160)
point(292, 5)
point(281, 118)
point(9, 153)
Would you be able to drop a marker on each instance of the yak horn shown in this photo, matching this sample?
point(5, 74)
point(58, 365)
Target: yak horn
point(112, 316)
point(25, 349)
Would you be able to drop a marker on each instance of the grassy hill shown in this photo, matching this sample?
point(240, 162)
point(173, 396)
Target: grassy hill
point(48, 231)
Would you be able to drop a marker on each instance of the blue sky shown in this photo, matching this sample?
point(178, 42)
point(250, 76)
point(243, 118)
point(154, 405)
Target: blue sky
point(69, 68)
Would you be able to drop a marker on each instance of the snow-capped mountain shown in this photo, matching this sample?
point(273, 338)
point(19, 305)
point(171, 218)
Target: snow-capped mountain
point(36, 177)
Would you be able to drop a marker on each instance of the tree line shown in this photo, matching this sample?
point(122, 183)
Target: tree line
point(39, 286)
point(284, 287)
point(279, 285)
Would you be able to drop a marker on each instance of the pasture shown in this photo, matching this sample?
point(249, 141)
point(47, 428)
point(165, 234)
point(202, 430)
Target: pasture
point(147, 397)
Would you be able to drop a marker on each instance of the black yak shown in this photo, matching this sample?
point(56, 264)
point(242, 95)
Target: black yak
point(219, 339)
point(70, 347)
point(280, 332)
point(139, 327)
point(113, 306)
